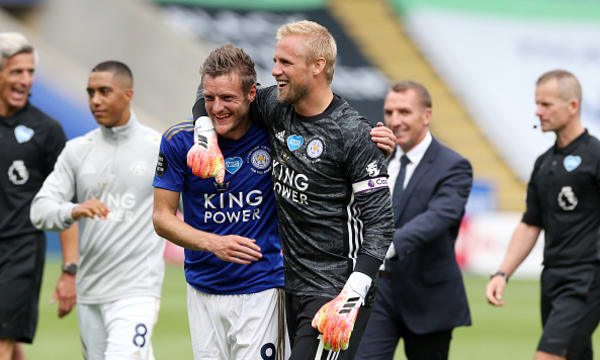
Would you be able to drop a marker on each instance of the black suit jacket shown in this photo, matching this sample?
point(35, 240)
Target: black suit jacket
point(426, 280)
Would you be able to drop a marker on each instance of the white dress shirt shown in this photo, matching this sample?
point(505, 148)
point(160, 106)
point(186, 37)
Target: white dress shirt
point(414, 155)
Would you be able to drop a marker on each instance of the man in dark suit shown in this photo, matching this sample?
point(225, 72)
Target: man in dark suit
point(421, 296)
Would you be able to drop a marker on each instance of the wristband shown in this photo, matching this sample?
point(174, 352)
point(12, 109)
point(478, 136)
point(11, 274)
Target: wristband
point(501, 273)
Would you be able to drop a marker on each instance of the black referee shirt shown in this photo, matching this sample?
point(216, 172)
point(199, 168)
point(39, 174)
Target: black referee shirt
point(563, 198)
point(30, 142)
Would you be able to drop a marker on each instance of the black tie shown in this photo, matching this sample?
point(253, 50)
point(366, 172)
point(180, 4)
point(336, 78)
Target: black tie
point(399, 186)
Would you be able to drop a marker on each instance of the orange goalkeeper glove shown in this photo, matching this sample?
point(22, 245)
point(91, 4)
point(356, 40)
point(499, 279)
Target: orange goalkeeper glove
point(204, 157)
point(335, 320)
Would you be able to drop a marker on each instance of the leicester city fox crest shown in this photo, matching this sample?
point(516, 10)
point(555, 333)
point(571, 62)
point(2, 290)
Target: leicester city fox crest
point(260, 160)
point(315, 148)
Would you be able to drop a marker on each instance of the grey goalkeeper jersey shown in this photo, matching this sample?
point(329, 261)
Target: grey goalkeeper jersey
point(330, 181)
point(121, 256)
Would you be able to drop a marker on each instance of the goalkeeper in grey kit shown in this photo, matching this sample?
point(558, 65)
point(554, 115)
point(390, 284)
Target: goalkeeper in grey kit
point(330, 180)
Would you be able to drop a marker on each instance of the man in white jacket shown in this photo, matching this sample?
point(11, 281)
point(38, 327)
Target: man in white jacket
point(103, 180)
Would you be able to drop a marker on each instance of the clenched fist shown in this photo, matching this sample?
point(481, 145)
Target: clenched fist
point(204, 157)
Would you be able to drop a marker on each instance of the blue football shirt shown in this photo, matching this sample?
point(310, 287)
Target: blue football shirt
point(243, 205)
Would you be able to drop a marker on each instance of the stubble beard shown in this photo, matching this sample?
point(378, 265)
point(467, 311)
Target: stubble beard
point(293, 95)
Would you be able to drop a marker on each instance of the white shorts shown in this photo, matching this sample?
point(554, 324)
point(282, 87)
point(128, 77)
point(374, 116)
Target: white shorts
point(237, 327)
point(119, 330)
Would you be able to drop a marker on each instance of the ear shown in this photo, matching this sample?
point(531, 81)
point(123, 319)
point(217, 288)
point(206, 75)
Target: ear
point(252, 93)
point(128, 94)
point(319, 66)
point(427, 116)
point(574, 106)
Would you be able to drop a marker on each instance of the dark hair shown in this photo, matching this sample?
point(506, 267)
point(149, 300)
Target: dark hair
point(227, 59)
point(116, 67)
point(424, 97)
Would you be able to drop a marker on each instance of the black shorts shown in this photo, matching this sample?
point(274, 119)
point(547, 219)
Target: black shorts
point(304, 340)
point(570, 310)
point(21, 268)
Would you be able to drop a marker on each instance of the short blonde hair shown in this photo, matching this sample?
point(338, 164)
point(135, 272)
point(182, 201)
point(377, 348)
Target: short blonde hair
point(11, 44)
point(319, 44)
point(568, 85)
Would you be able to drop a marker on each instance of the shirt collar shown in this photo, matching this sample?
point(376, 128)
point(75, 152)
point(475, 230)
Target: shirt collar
point(11, 120)
point(416, 153)
point(117, 132)
point(572, 145)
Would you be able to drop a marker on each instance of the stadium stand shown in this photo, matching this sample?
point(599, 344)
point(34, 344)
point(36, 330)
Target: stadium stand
point(164, 63)
point(392, 50)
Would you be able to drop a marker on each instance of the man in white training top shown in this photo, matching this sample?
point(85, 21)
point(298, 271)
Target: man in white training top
point(103, 180)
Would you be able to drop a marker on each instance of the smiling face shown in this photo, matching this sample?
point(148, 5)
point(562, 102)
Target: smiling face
point(109, 97)
point(227, 104)
point(16, 78)
point(291, 70)
point(406, 116)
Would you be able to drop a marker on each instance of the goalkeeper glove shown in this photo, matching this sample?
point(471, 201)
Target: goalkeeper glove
point(335, 320)
point(204, 157)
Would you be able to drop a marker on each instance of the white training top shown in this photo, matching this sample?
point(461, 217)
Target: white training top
point(121, 256)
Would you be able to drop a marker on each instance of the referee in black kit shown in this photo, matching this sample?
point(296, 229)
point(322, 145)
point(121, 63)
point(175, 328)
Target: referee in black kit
point(30, 142)
point(563, 199)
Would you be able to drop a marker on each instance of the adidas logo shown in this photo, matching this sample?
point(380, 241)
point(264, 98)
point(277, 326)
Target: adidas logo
point(280, 136)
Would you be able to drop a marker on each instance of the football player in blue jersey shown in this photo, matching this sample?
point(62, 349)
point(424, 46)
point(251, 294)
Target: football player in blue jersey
point(233, 261)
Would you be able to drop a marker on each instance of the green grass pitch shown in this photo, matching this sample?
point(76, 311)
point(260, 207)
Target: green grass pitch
point(510, 332)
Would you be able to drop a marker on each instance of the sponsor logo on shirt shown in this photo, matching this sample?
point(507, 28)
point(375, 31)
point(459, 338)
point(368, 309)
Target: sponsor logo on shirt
point(17, 172)
point(571, 162)
point(260, 159)
point(232, 207)
point(370, 185)
point(284, 156)
point(315, 148)
point(23, 134)
point(289, 184)
point(233, 164)
point(222, 187)
point(121, 206)
point(567, 200)
point(294, 142)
